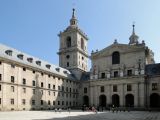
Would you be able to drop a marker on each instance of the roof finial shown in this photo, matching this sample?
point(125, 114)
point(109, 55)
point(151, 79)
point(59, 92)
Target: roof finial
point(73, 13)
point(133, 32)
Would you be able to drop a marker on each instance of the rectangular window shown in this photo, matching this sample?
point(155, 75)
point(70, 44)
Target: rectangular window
point(59, 88)
point(41, 84)
point(24, 90)
point(0, 77)
point(102, 75)
point(34, 91)
point(49, 102)
point(102, 88)
point(59, 94)
point(67, 89)
point(24, 81)
point(12, 101)
point(70, 89)
point(33, 102)
point(0, 101)
point(129, 72)
point(23, 101)
point(49, 86)
point(0, 88)
point(41, 102)
point(154, 86)
point(12, 79)
point(54, 87)
point(58, 102)
point(33, 83)
point(12, 88)
point(115, 73)
point(0, 62)
point(42, 92)
point(114, 88)
point(49, 93)
point(54, 93)
point(54, 103)
point(62, 88)
point(85, 90)
point(129, 87)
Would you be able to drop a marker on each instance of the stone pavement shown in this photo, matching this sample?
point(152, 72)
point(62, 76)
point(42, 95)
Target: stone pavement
point(78, 115)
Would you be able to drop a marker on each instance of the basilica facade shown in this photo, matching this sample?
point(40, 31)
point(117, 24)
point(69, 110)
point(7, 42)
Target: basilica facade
point(122, 75)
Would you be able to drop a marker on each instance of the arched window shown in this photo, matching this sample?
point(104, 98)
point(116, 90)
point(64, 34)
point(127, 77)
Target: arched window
point(82, 43)
point(115, 58)
point(68, 42)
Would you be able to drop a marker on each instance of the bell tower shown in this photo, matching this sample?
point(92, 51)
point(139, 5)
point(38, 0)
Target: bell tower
point(73, 53)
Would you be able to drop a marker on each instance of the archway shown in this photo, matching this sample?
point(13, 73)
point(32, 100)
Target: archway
point(102, 100)
point(154, 100)
point(129, 100)
point(115, 100)
point(86, 100)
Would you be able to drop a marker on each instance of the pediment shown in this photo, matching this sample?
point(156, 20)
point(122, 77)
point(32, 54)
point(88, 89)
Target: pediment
point(122, 48)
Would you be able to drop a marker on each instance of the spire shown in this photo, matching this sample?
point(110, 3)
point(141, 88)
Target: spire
point(73, 20)
point(133, 38)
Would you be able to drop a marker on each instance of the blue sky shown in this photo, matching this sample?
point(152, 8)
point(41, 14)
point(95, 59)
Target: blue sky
point(32, 26)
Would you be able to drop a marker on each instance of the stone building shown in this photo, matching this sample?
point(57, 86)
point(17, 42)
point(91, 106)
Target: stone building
point(121, 75)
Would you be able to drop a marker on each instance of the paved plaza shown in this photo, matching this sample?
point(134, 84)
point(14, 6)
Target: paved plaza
point(78, 115)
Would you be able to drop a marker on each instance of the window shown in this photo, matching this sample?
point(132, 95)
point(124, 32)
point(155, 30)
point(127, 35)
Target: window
point(82, 43)
point(58, 102)
point(102, 88)
point(30, 60)
point(68, 56)
point(12, 88)
point(48, 66)
point(42, 92)
point(67, 89)
point(0, 101)
point(129, 72)
point(33, 72)
point(24, 81)
point(41, 84)
point(49, 93)
point(129, 87)
point(115, 58)
point(102, 75)
point(154, 86)
point(0, 88)
point(12, 101)
point(54, 93)
point(0, 77)
point(23, 101)
point(20, 56)
point(34, 91)
point(38, 63)
point(8, 52)
point(54, 87)
point(33, 83)
point(59, 94)
point(54, 103)
point(0, 62)
point(33, 102)
point(24, 69)
point(49, 86)
point(68, 41)
point(62, 88)
point(24, 90)
point(85, 90)
point(70, 89)
point(12, 79)
point(41, 102)
point(115, 73)
point(49, 102)
point(114, 88)
point(62, 102)
point(67, 64)
point(12, 66)
point(59, 88)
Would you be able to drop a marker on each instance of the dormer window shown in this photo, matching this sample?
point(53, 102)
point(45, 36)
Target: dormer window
point(65, 72)
point(20, 56)
point(30, 60)
point(57, 69)
point(48, 66)
point(8, 52)
point(38, 63)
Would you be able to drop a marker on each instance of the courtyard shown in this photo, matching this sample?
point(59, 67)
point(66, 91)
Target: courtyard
point(79, 115)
